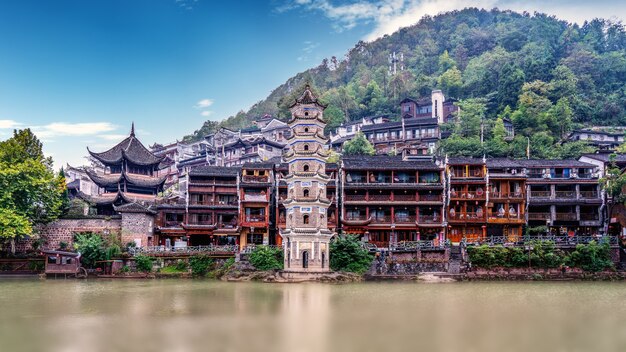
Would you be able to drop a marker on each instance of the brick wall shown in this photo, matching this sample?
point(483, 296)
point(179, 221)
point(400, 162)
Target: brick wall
point(63, 230)
point(137, 227)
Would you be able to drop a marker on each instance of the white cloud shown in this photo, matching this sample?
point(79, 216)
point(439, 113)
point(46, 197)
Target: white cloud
point(387, 16)
point(204, 103)
point(309, 47)
point(206, 113)
point(8, 124)
point(113, 137)
point(59, 129)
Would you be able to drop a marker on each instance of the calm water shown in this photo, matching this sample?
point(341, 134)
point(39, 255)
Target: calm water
point(185, 315)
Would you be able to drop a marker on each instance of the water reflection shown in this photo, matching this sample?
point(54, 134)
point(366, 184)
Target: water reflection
point(170, 315)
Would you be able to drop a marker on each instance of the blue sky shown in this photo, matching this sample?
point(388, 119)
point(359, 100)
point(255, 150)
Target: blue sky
point(78, 72)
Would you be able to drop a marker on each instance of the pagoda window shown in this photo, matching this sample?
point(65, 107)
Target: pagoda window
point(305, 219)
point(306, 129)
point(305, 168)
point(306, 147)
point(305, 193)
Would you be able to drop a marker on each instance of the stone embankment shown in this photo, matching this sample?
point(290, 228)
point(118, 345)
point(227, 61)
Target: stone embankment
point(243, 271)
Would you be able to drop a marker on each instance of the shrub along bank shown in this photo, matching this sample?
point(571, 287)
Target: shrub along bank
point(591, 257)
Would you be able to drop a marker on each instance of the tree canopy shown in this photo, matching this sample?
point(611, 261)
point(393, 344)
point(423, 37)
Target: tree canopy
point(358, 145)
point(30, 191)
point(552, 75)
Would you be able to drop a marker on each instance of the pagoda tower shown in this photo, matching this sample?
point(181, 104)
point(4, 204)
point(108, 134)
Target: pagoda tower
point(306, 236)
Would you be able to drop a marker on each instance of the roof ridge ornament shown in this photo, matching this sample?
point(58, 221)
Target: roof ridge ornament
point(132, 129)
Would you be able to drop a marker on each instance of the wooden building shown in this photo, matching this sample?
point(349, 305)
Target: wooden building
point(391, 199)
point(467, 199)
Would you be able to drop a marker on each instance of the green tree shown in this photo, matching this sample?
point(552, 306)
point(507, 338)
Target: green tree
point(497, 145)
point(451, 82)
point(267, 258)
point(91, 246)
point(471, 117)
point(510, 84)
point(358, 145)
point(29, 189)
point(334, 118)
point(347, 254)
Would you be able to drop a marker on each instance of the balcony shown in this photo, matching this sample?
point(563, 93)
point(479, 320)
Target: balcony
point(386, 219)
point(505, 195)
point(356, 218)
point(589, 195)
point(201, 222)
point(255, 197)
point(565, 194)
point(540, 194)
point(255, 179)
point(539, 216)
point(467, 195)
point(404, 197)
point(355, 198)
point(430, 198)
point(566, 216)
point(405, 219)
point(468, 216)
point(429, 219)
point(379, 197)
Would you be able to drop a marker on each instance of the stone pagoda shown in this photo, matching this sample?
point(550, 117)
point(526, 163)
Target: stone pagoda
point(306, 235)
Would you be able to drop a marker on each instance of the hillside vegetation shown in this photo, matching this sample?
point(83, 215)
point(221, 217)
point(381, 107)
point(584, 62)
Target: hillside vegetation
point(548, 76)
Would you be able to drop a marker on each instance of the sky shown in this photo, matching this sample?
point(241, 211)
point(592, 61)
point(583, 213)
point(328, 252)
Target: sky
point(78, 72)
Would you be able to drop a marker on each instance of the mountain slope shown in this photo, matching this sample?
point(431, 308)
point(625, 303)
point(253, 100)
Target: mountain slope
point(502, 56)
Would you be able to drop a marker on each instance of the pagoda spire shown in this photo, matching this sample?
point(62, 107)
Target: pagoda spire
point(132, 129)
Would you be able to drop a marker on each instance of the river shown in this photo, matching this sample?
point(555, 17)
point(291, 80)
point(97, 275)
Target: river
point(190, 315)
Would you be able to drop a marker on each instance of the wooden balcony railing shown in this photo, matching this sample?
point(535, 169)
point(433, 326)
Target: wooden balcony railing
point(467, 195)
point(566, 216)
point(255, 197)
point(405, 219)
point(429, 219)
point(469, 216)
point(380, 197)
point(540, 194)
point(355, 217)
point(588, 194)
point(539, 216)
point(430, 198)
point(255, 179)
point(354, 197)
point(404, 197)
point(565, 194)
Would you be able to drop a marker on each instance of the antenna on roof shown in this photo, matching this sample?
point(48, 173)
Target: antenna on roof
point(132, 129)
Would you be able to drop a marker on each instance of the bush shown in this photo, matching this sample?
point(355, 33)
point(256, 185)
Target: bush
point(181, 265)
point(91, 247)
point(144, 263)
point(267, 258)
point(36, 265)
point(125, 269)
point(228, 263)
point(200, 264)
point(347, 254)
point(543, 255)
point(63, 245)
point(591, 257)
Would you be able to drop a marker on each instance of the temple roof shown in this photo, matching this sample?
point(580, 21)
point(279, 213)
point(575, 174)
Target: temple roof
point(130, 149)
point(110, 198)
point(307, 97)
point(133, 208)
point(104, 180)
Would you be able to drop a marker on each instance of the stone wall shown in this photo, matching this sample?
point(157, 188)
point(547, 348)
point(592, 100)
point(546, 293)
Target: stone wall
point(63, 230)
point(138, 228)
point(408, 263)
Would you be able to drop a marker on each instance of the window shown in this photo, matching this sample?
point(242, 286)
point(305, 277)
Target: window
point(305, 168)
point(407, 108)
point(305, 192)
point(268, 148)
point(306, 147)
point(305, 219)
point(306, 130)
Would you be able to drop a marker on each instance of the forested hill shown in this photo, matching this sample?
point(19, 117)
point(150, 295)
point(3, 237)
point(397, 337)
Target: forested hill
point(551, 74)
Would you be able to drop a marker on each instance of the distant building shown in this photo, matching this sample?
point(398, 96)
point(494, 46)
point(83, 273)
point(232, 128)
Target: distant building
point(599, 139)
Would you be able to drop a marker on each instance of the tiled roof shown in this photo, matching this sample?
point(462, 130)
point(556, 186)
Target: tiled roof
point(465, 161)
point(553, 163)
point(133, 208)
point(604, 157)
point(207, 170)
point(381, 126)
point(131, 149)
point(503, 162)
point(385, 162)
